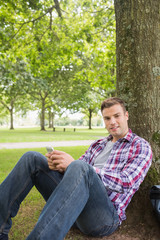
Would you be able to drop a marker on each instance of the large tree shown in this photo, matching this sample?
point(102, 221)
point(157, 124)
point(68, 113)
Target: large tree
point(138, 66)
point(138, 83)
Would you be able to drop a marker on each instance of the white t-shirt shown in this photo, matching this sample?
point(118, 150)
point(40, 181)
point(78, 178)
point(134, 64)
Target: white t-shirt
point(103, 156)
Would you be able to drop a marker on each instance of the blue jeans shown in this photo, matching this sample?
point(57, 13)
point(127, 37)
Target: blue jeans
point(77, 196)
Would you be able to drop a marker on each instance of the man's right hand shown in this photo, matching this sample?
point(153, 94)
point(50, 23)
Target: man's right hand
point(58, 160)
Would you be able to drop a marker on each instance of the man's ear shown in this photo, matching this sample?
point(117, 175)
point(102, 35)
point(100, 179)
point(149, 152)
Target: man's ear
point(127, 115)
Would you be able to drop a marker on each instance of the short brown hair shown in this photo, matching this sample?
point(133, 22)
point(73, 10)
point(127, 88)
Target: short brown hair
point(109, 102)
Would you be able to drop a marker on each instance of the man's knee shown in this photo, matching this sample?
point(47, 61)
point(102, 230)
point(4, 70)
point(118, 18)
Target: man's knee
point(78, 164)
point(33, 158)
point(80, 167)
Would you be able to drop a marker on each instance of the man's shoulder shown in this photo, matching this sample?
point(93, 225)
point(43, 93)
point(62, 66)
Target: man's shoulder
point(137, 140)
point(100, 142)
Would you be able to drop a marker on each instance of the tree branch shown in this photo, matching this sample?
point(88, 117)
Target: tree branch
point(5, 105)
point(49, 10)
point(11, 104)
point(57, 7)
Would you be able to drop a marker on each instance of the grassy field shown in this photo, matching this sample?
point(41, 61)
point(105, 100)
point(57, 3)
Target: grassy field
point(35, 135)
point(31, 207)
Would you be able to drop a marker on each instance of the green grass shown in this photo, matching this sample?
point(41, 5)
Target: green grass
point(35, 135)
point(31, 207)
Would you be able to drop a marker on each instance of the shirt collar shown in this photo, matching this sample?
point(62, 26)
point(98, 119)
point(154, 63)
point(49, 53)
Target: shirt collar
point(127, 137)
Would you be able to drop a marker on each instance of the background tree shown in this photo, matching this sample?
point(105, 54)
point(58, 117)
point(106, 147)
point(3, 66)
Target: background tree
point(94, 36)
point(91, 105)
point(65, 44)
point(14, 75)
point(3, 115)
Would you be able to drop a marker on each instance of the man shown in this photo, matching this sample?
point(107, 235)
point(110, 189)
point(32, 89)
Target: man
point(91, 193)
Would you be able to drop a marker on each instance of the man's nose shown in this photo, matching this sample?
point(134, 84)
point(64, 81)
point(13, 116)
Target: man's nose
point(112, 120)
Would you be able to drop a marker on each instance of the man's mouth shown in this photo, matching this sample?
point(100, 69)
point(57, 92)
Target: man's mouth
point(114, 128)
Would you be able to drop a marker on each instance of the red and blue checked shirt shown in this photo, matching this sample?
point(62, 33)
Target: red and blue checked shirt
point(125, 168)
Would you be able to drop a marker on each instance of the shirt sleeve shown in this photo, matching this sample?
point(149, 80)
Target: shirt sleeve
point(89, 154)
point(133, 172)
point(86, 156)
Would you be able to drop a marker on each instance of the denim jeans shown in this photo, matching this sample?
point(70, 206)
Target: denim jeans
point(76, 197)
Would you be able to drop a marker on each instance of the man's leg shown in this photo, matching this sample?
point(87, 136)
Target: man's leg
point(78, 194)
point(32, 169)
point(99, 216)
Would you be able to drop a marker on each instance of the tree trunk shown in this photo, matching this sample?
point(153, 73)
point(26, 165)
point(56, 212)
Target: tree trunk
point(11, 118)
point(11, 114)
point(50, 119)
point(43, 115)
point(138, 66)
point(90, 118)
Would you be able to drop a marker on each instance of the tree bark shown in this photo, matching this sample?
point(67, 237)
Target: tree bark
point(90, 118)
point(11, 119)
point(52, 116)
point(43, 115)
point(50, 119)
point(138, 66)
point(11, 114)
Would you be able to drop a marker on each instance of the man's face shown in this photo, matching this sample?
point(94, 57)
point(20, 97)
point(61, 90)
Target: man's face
point(116, 121)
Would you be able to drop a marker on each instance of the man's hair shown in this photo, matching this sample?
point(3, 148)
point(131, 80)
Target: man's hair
point(109, 102)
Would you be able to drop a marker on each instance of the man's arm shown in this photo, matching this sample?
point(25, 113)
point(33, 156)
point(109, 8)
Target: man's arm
point(58, 160)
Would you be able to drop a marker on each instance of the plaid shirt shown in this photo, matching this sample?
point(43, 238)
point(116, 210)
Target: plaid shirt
point(124, 170)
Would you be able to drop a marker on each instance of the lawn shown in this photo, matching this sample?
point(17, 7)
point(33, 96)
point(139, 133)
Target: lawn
point(35, 135)
point(31, 207)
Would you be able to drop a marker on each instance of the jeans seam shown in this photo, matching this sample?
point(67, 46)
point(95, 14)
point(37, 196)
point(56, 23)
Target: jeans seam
point(41, 233)
point(18, 194)
point(11, 204)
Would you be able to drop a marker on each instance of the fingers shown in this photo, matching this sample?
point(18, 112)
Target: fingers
point(56, 154)
point(55, 164)
point(48, 155)
point(58, 160)
point(55, 157)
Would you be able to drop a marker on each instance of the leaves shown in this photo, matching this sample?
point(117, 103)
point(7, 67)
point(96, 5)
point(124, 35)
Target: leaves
point(57, 51)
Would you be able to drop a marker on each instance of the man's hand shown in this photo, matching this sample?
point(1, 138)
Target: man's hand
point(58, 160)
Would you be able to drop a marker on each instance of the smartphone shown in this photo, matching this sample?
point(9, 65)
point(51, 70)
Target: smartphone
point(49, 149)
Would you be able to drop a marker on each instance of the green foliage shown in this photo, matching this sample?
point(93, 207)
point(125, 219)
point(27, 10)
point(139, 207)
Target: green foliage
point(68, 48)
point(14, 75)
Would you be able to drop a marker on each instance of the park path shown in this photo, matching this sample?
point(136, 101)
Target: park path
point(44, 144)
